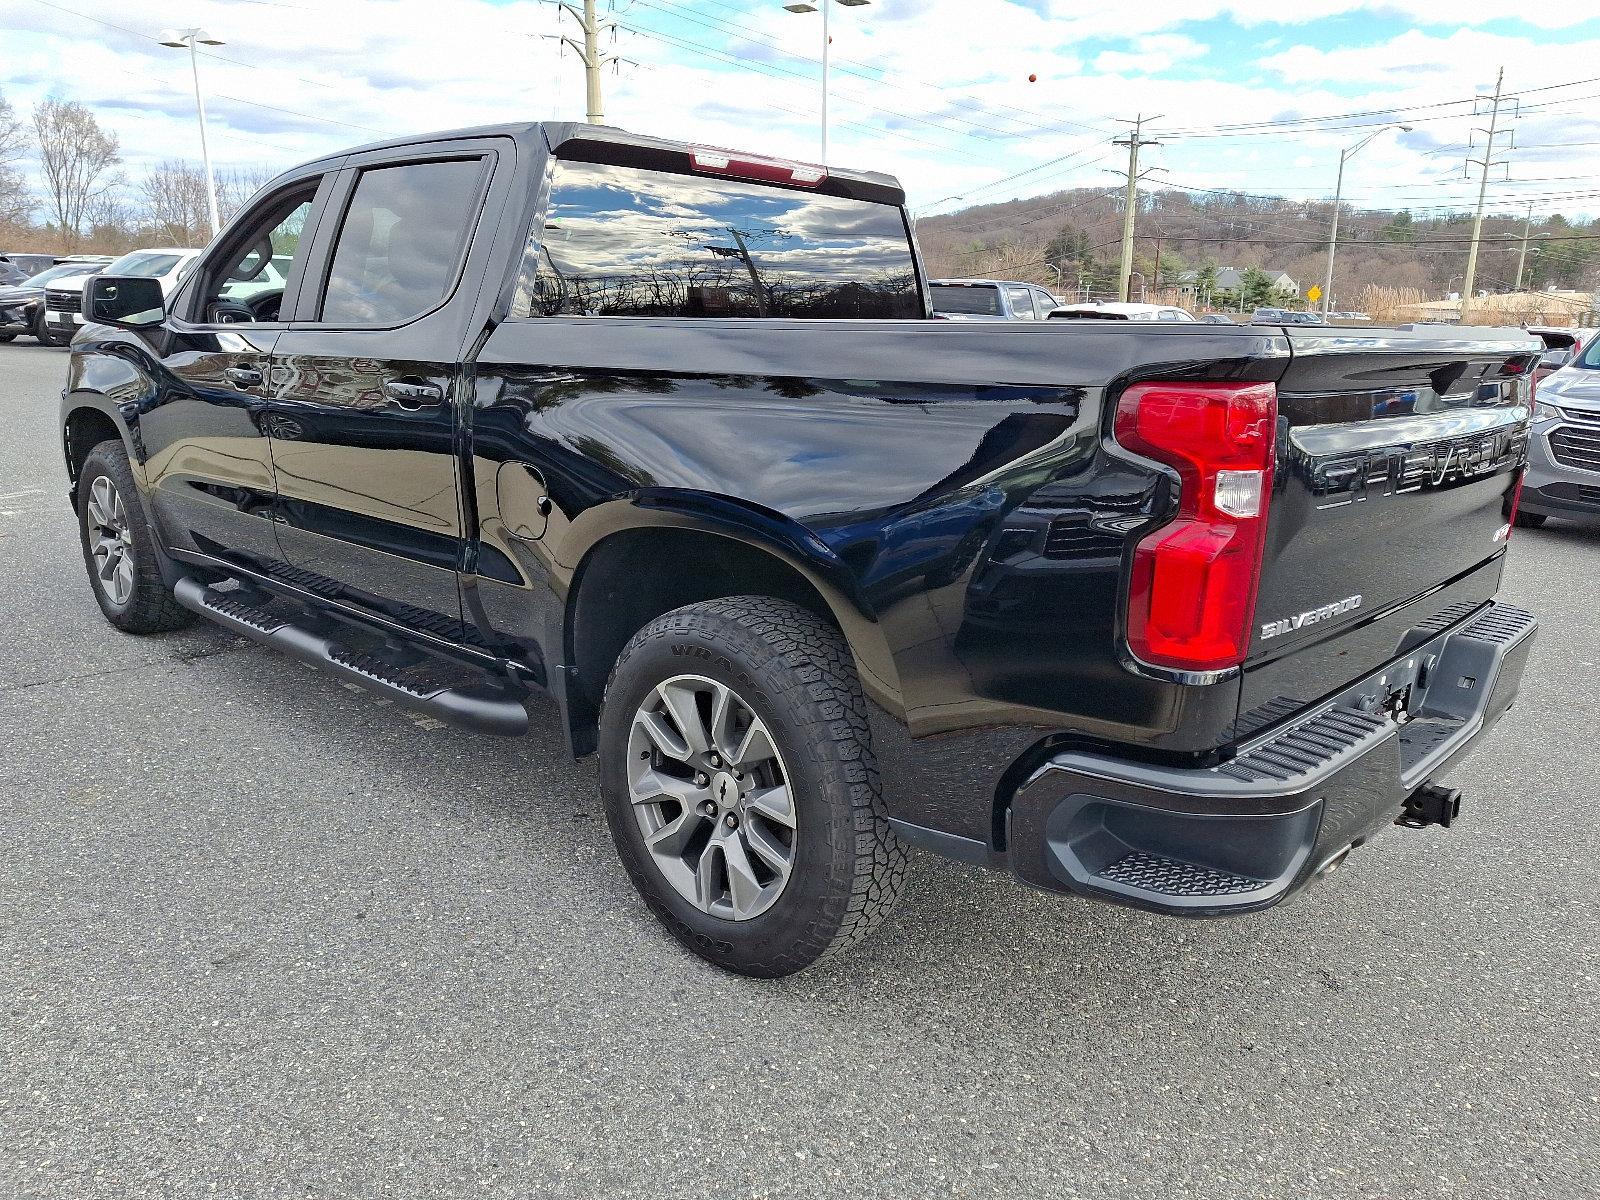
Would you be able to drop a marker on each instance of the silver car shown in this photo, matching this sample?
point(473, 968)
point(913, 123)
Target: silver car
point(1563, 478)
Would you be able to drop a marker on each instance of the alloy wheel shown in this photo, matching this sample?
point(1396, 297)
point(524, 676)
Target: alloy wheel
point(712, 797)
point(110, 541)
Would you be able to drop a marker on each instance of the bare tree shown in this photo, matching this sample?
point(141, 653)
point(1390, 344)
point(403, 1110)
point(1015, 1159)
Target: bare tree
point(235, 187)
point(79, 160)
point(15, 203)
point(173, 194)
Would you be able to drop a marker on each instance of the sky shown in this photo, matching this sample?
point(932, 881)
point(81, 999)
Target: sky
point(966, 101)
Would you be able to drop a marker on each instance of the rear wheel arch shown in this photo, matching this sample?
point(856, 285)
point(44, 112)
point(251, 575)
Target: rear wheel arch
point(633, 576)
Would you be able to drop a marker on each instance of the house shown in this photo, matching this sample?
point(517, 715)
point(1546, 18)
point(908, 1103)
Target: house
point(1229, 279)
point(1283, 283)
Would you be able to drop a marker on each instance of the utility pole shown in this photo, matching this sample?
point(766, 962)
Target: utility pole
point(588, 52)
point(1130, 200)
point(1522, 256)
point(1487, 161)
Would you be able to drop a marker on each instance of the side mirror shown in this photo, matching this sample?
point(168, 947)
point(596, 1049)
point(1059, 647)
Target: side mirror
point(1555, 358)
point(126, 301)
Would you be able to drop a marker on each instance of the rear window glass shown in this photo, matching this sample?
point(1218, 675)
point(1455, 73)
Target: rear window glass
point(627, 242)
point(967, 300)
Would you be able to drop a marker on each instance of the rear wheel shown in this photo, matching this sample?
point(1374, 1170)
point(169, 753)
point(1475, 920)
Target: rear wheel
point(119, 547)
point(6, 337)
point(740, 787)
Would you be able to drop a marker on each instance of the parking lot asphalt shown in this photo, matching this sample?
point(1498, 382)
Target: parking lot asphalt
point(263, 936)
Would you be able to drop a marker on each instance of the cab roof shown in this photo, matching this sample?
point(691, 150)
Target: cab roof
point(574, 139)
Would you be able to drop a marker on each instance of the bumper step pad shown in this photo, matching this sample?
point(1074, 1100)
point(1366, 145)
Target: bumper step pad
point(452, 691)
point(1168, 877)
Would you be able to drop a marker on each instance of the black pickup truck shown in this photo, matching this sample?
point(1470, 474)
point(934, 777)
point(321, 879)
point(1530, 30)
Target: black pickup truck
point(1166, 615)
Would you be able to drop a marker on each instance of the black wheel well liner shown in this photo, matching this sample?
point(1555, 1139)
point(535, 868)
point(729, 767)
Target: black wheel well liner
point(635, 576)
point(85, 428)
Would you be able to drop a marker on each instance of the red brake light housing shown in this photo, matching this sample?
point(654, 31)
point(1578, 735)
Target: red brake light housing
point(710, 161)
point(1192, 599)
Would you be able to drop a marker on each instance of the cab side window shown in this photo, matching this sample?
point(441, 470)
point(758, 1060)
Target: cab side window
point(248, 284)
point(400, 247)
point(1021, 303)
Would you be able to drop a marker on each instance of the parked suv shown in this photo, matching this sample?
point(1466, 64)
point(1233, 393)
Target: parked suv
point(1165, 615)
point(1563, 478)
point(22, 304)
point(62, 314)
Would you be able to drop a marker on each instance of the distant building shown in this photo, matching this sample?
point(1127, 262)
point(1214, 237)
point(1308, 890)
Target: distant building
point(1283, 283)
point(1229, 279)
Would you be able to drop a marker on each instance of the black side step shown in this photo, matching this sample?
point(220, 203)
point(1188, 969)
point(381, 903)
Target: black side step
point(450, 691)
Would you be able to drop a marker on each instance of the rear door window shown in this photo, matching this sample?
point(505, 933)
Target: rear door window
point(400, 246)
point(628, 242)
point(1021, 303)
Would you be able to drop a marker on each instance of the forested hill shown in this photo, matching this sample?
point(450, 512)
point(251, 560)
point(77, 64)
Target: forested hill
point(1079, 232)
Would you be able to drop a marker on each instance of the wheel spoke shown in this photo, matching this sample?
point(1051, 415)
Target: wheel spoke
point(768, 849)
point(743, 885)
point(674, 836)
point(103, 496)
point(723, 704)
point(774, 803)
point(664, 737)
point(680, 702)
point(653, 786)
point(707, 878)
point(755, 748)
point(122, 580)
point(97, 514)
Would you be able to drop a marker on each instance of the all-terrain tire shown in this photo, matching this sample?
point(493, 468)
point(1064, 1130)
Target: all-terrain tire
point(796, 673)
point(150, 607)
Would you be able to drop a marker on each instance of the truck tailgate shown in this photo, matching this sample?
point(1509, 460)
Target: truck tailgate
point(1397, 454)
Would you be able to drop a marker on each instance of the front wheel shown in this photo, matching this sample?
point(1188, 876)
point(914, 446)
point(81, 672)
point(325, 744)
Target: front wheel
point(740, 788)
point(119, 547)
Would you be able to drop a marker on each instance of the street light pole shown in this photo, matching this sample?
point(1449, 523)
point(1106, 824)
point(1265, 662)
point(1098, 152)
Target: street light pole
point(1338, 202)
point(803, 6)
point(178, 39)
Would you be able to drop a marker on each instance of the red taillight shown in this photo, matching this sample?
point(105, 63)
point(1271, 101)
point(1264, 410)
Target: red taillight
point(1193, 594)
point(767, 170)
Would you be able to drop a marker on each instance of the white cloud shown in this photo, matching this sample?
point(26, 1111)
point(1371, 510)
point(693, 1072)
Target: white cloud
point(935, 91)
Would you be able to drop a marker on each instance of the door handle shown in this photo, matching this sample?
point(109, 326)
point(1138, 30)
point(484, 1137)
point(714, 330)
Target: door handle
point(413, 393)
point(243, 377)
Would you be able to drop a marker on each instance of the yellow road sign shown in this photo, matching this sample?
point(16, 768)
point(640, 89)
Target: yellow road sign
point(1313, 293)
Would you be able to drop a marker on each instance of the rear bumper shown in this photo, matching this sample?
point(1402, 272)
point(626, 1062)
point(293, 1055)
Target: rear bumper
point(1242, 835)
